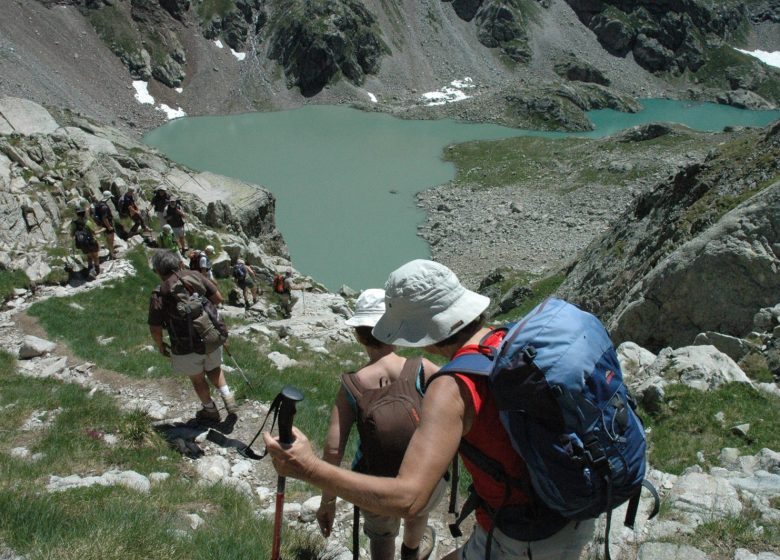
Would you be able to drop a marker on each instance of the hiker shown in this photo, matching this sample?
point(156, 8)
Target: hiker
point(104, 218)
point(160, 202)
point(174, 216)
point(188, 352)
point(427, 307)
point(284, 287)
point(369, 398)
point(166, 239)
point(83, 233)
point(246, 280)
point(129, 206)
point(199, 260)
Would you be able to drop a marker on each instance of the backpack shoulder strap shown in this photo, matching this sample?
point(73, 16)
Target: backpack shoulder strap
point(472, 364)
point(352, 388)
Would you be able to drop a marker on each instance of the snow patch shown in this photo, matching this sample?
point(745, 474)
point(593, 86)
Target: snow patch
point(770, 58)
point(448, 94)
point(142, 92)
point(371, 96)
point(238, 55)
point(143, 96)
point(171, 113)
point(218, 43)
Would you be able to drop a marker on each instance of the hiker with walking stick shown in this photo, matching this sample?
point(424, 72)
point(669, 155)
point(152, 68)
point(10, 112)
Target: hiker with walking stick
point(427, 307)
point(383, 400)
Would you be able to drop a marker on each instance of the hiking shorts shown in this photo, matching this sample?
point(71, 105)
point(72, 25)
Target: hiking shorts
point(194, 364)
point(379, 526)
point(566, 544)
point(178, 231)
point(161, 217)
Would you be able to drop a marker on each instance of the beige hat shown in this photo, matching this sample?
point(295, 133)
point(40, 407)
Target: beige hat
point(369, 307)
point(106, 195)
point(209, 248)
point(426, 303)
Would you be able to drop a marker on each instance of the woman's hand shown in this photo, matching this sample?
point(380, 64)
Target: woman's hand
point(296, 460)
point(326, 514)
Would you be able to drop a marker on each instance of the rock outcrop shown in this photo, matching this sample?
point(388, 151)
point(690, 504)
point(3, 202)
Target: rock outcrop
point(317, 40)
point(697, 253)
point(47, 166)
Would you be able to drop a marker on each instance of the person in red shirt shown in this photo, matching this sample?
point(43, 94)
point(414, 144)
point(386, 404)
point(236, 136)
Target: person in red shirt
point(427, 307)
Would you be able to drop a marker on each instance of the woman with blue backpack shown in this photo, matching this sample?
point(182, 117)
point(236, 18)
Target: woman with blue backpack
point(520, 415)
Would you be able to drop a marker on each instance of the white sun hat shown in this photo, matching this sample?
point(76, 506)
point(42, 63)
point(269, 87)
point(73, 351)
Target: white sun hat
point(426, 303)
point(369, 307)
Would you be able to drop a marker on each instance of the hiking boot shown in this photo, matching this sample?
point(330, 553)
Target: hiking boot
point(426, 544)
point(208, 414)
point(230, 403)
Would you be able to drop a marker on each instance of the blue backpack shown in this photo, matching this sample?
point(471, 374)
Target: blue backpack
point(557, 384)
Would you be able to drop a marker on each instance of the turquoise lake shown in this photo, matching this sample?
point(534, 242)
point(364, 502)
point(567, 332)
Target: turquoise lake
point(345, 180)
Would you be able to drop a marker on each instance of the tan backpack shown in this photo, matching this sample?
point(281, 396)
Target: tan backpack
point(386, 418)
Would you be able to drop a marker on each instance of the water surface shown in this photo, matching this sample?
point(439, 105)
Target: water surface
point(345, 179)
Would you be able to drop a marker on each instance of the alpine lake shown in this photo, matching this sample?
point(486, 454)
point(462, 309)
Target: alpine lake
point(345, 180)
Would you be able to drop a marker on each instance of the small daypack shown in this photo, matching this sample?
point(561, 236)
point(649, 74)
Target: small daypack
point(195, 260)
point(100, 212)
point(239, 272)
point(84, 239)
point(386, 418)
point(123, 204)
point(557, 384)
point(196, 318)
point(279, 286)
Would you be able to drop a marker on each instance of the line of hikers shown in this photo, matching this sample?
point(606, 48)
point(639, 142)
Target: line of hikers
point(537, 411)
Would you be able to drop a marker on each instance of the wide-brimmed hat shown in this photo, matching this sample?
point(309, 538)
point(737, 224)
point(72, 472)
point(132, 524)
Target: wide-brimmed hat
point(107, 195)
point(425, 304)
point(369, 307)
point(167, 228)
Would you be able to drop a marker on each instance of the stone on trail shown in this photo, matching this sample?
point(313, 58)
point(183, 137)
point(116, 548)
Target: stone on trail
point(25, 117)
point(669, 551)
point(281, 361)
point(33, 347)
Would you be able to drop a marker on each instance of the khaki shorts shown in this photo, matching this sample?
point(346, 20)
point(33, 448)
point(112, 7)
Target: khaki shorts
point(378, 526)
point(193, 364)
point(566, 544)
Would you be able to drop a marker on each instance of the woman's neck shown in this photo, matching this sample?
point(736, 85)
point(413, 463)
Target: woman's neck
point(377, 353)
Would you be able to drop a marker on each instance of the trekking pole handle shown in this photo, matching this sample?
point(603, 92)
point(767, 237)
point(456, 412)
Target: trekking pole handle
point(289, 396)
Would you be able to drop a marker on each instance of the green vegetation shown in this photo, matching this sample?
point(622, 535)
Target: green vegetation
point(115, 29)
point(207, 9)
point(113, 522)
point(539, 289)
point(756, 368)
point(725, 64)
point(564, 164)
point(11, 279)
point(687, 425)
point(721, 539)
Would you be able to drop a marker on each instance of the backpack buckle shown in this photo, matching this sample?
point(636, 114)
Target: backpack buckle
point(529, 354)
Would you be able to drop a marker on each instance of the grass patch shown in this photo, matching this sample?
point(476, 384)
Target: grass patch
point(113, 522)
point(538, 290)
point(10, 280)
point(687, 425)
point(114, 29)
point(756, 368)
point(720, 539)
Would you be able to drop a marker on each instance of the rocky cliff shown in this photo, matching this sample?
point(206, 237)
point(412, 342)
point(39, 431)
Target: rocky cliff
point(50, 163)
point(699, 252)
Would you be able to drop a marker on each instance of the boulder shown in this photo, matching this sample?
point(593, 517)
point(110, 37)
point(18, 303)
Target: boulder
point(702, 498)
point(669, 551)
point(32, 347)
point(700, 367)
point(25, 117)
point(614, 35)
point(735, 348)
point(633, 360)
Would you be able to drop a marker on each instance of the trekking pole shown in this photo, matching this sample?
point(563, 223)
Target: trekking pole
point(289, 396)
point(235, 363)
